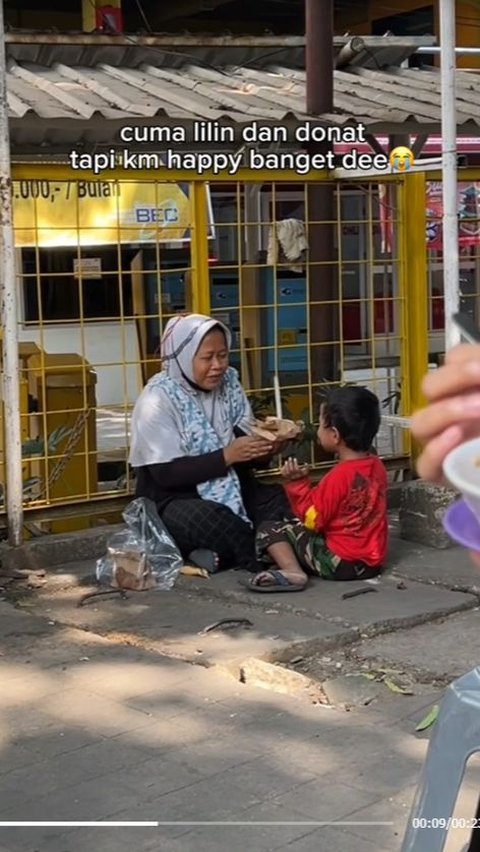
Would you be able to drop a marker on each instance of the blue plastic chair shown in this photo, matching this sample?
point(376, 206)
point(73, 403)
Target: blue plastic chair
point(455, 738)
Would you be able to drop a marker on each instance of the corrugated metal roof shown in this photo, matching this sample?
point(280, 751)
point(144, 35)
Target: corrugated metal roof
point(194, 91)
point(88, 49)
point(379, 99)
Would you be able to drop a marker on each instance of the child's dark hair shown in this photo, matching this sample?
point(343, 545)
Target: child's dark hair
point(355, 413)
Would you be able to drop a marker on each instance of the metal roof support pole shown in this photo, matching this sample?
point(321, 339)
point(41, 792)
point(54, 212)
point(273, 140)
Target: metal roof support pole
point(419, 144)
point(89, 15)
point(8, 285)
point(322, 272)
point(451, 269)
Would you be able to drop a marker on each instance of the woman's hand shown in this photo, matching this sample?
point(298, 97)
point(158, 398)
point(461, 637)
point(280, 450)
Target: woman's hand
point(453, 413)
point(292, 470)
point(247, 448)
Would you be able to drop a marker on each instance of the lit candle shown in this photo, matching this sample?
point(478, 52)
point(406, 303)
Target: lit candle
point(278, 399)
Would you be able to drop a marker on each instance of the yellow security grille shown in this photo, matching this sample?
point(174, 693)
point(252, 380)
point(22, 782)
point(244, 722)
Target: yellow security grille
point(312, 278)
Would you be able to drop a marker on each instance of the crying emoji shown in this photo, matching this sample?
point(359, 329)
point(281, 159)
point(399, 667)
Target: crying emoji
point(401, 159)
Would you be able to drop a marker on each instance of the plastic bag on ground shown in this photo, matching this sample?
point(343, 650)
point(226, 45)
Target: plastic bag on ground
point(144, 556)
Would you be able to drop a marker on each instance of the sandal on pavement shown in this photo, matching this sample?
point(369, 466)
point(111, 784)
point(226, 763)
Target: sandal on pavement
point(280, 583)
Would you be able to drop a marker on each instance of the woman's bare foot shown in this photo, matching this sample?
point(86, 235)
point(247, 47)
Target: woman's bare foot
point(207, 559)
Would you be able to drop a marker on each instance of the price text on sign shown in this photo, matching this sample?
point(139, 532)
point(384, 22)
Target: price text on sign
point(87, 213)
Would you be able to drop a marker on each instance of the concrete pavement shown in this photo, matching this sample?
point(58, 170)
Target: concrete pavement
point(120, 710)
point(94, 730)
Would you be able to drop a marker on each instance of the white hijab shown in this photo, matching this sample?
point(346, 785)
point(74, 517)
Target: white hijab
point(158, 428)
point(181, 340)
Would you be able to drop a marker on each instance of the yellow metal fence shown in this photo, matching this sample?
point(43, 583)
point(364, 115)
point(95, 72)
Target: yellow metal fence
point(321, 283)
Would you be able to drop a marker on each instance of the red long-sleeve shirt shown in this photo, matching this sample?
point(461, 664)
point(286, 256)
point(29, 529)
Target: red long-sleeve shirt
point(349, 508)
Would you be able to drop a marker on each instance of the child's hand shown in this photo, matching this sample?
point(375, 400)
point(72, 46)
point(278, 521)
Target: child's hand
point(293, 470)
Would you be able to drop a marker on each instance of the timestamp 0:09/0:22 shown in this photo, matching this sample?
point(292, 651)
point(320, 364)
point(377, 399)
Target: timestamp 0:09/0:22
point(446, 823)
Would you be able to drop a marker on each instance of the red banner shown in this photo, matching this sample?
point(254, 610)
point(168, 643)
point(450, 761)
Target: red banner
point(384, 200)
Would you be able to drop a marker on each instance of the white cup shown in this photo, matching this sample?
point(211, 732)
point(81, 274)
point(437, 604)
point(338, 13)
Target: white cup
point(462, 469)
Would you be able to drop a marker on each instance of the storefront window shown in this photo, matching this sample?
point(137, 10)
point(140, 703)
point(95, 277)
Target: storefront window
point(54, 292)
point(469, 256)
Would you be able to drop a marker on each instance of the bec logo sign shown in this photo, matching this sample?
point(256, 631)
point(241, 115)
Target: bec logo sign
point(157, 215)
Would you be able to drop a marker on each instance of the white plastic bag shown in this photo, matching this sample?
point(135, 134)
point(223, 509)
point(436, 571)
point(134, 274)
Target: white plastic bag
point(144, 556)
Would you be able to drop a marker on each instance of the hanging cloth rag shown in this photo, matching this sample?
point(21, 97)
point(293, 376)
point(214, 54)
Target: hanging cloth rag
point(291, 235)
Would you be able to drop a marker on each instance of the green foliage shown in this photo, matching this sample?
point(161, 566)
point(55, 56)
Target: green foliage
point(56, 438)
point(429, 719)
point(263, 405)
point(36, 446)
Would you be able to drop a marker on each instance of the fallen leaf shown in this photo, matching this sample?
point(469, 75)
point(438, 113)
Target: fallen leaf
point(429, 719)
point(395, 687)
point(370, 675)
point(392, 671)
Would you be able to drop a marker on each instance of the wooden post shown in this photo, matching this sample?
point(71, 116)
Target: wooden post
point(324, 325)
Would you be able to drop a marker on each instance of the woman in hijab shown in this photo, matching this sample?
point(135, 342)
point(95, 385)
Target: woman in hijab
point(194, 452)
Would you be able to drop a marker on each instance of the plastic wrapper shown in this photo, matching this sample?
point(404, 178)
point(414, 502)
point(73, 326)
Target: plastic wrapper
point(143, 556)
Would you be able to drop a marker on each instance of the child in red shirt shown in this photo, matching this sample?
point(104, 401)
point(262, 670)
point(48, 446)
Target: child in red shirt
point(342, 528)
